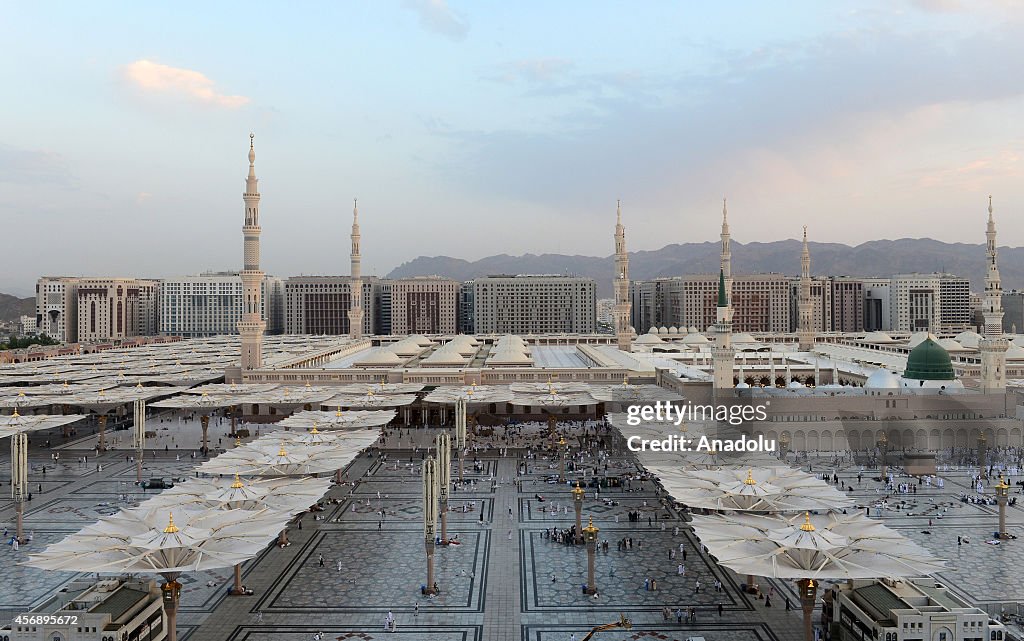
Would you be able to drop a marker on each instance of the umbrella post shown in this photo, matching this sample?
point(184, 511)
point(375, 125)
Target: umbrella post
point(238, 589)
point(429, 545)
point(19, 479)
point(171, 591)
point(103, 432)
point(204, 420)
point(808, 595)
point(140, 437)
point(282, 538)
point(231, 411)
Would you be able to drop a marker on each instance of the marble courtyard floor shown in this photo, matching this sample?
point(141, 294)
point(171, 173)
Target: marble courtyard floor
point(504, 582)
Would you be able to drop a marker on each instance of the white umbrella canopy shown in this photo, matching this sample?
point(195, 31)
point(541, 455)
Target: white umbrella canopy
point(339, 420)
point(279, 456)
point(232, 389)
point(380, 389)
point(283, 494)
point(470, 394)
point(756, 489)
point(628, 394)
point(152, 541)
point(16, 423)
point(204, 402)
point(370, 400)
point(805, 546)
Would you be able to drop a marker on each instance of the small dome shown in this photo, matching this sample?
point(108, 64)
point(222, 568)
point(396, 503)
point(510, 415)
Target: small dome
point(692, 330)
point(950, 345)
point(649, 339)
point(693, 338)
point(663, 330)
point(795, 385)
point(882, 379)
point(742, 385)
point(877, 337)
point(968, 339)
point(743, 337)
point(653, 330)
point(673, 330)
point(1015, 352)
point(917, 338)
point(929, 361)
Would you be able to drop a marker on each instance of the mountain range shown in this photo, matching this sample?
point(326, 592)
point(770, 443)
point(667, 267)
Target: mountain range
point(13, 307)
point(873, 258)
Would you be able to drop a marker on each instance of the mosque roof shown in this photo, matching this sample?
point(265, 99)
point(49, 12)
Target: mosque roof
point(929, 361)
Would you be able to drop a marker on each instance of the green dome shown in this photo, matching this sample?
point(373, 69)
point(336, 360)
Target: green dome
point(929, 361)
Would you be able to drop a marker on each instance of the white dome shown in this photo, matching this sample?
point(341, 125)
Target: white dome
point(951, 345)
point(877, 337)
point(692, 330)
point(742, 385)
point(653, 330)
point(693, 338)
point(882, 379)
point(1015, 351)
point(673, 330)
point(968, 339)
point(649, 339)
point(919, 337)
point(663, 330)
point(743, 337)
point(795, 385)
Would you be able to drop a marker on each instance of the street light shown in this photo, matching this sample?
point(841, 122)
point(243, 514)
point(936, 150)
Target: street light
point(590, 538)
point(561, 460)
point(577, 498)
point(808, 590)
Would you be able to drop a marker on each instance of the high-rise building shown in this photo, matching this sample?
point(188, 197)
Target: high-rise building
point(420, 305)
point(1013, 311)
point(251, 326)
point(116, 308)
point(211, 304)
point(321, 305)
point(760, 302)
point(877, 302)
point(929, 302)
point(57, 307)
point(467, 321)
point(534, 304)
point(848, 304)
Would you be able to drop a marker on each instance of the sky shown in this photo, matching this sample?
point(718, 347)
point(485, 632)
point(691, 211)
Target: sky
point(470, 129)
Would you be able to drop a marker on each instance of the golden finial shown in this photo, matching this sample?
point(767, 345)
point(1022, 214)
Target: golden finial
point(171, 527)
point(337, 412)
point(15, 414)
point(314, 430)
point(807, 526)
point(750, 478)
point(308, 385)
point(370, 393)
point(238, 442)
point(281, 452)
point(238, 483)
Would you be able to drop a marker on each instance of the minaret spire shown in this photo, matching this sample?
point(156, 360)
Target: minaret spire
point(355, 312)
point(623, 307)
point(805, 328)
point(993, 347)
point(726, 254)
point(251, 325)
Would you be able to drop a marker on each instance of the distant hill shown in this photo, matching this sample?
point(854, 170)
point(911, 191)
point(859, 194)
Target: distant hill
point(12, 307)
point(874, 258)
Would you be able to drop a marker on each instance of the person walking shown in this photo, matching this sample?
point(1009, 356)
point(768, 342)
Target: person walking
point(321, 560)
point(696, 587)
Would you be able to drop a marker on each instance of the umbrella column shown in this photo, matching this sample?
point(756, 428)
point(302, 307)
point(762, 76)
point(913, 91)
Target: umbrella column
point(19, 478)
point(444, 474)
point(1002, 494)
point(204, 420)
point(552, 429)
point(982, 454)
point(561, 460)
point(171, 591)
point(883, 443)
point(102, 445)
point(139, 437)
point(460, 433)
point(430, 491)
point(808, 595)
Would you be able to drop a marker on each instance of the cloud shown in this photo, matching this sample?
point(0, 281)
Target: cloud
point(437, 16)
point(142, 197)
point(533, 70)
point(154, 77)
point(33, 167)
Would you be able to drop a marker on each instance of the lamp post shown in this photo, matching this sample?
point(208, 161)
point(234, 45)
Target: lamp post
point(808, 595)
point(460, 433)
point(171, 590)
point(1002, 493)
point(561, 460)
point(982, 452)
point(444, 474)
point(590, 538)
point(883, 443)
point(577, 498)
point(140, 437)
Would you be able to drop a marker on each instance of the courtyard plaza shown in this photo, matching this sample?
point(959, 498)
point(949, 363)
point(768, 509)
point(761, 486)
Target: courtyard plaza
point(507, 578)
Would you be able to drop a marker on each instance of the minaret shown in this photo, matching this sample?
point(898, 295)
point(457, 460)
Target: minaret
point(722, 352)
point(622, 305)
point(725, 265)
point(992, 346)
point(355, 312)
point(805, 327)
point(251, 325)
